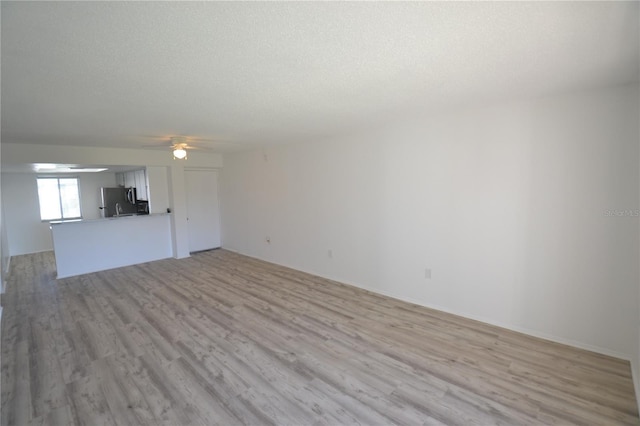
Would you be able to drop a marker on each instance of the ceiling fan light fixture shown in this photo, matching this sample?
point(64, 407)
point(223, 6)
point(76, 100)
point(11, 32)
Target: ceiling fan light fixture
point(180, 153)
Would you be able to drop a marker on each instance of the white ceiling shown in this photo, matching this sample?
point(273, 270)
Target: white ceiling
point(113, 73)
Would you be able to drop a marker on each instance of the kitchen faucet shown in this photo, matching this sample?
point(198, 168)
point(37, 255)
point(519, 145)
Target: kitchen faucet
point(118, 209)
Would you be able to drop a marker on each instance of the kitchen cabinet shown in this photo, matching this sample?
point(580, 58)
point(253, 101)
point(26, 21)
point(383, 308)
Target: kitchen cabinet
point(129, 179)
point(135, 179)
point(140, 177)
point(157, 189)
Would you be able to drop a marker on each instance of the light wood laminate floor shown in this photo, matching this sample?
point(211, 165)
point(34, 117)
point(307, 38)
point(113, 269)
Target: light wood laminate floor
point(220, 338)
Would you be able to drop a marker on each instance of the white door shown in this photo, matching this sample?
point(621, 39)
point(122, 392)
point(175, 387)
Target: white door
point(203, 209)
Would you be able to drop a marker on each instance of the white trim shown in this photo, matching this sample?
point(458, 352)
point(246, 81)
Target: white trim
point(34, 252)
point(524, 330)
point(635, 373)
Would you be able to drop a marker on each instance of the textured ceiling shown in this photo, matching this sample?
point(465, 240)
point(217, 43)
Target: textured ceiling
point(245, 74)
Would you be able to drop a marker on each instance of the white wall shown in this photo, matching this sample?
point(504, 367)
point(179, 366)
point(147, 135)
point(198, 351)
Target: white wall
point(505, 204)
point(26, 233)
point(23, 153)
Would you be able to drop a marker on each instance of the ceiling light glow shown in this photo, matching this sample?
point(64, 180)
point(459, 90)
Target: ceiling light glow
point(179, 153)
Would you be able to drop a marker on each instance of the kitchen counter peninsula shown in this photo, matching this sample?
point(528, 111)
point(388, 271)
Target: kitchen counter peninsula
point(85, 246)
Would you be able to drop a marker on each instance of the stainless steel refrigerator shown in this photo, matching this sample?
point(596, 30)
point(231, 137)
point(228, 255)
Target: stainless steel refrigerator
point(118, 201)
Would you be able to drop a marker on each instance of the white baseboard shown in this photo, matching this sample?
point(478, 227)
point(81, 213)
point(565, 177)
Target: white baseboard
point(524, 330)
point(534, 333)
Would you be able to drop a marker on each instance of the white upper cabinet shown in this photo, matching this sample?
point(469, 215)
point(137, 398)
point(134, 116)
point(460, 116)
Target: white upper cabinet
point(140, 178)
point(135, 179)
point(129, 179)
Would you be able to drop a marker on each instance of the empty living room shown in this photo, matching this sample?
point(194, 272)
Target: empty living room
point(320, 213)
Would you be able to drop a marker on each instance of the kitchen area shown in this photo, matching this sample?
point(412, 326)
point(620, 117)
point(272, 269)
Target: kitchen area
point(129, 197)
point(128, 231)
point(94, 241)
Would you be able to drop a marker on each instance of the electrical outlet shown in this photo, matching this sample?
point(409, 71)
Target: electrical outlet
point(427, 273)
point(330, 254)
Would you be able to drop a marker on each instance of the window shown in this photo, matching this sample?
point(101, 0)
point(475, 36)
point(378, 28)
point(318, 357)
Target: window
point(59, 198)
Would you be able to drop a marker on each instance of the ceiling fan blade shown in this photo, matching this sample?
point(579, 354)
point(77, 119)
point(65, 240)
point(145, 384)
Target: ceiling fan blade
point(211, 140)
point(195, 143)
point(161, 145)
point(159, 137)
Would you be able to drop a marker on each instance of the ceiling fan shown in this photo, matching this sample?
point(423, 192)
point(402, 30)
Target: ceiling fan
point(181, 144)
